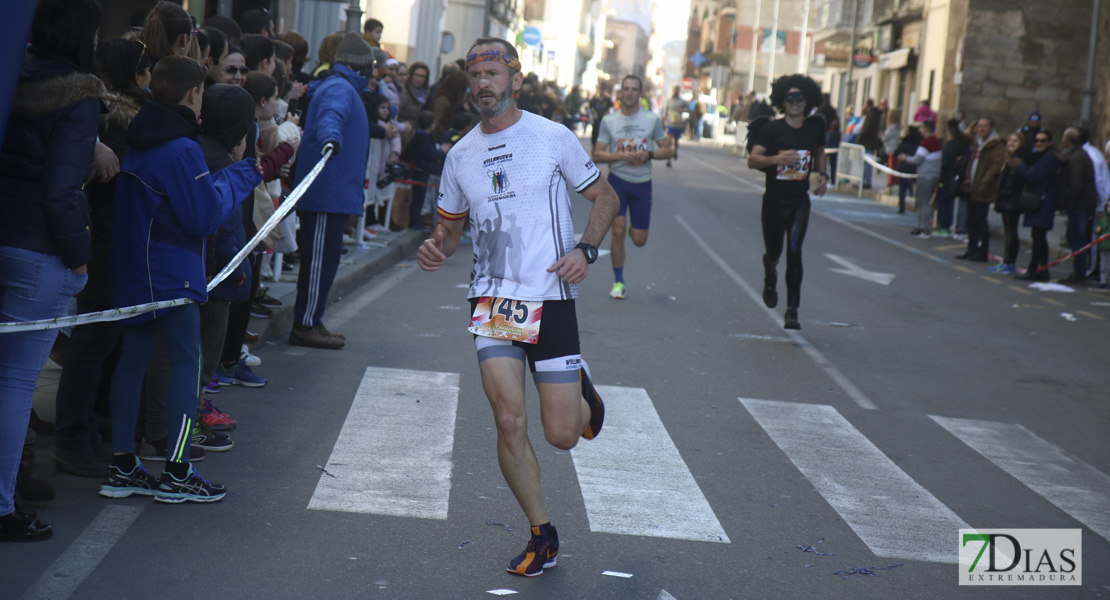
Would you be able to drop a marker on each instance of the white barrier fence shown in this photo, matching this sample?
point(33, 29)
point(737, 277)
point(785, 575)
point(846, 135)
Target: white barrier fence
point(117, 314)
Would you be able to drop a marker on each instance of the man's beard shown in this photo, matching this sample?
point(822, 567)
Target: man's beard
point(500, 107)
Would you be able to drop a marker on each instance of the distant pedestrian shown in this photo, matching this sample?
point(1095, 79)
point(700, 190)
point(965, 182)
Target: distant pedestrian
point(927, 159)
point(1102, 227)
point(1041, 179)
point(988, 154)
point(1079, 198)
point(1011, 186)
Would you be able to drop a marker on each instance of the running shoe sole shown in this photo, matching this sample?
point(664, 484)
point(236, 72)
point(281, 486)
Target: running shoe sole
point(597, 407)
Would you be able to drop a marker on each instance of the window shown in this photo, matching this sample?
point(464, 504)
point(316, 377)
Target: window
point(534, 10)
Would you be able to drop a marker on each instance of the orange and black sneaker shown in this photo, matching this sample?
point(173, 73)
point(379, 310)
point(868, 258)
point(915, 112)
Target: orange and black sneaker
point(539, 555)
point(597, 407)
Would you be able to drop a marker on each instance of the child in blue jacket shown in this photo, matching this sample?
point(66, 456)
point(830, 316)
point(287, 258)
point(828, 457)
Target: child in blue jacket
point(427, 156)
point(166, 203)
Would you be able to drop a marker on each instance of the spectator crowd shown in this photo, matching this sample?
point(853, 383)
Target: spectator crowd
point(134, 169)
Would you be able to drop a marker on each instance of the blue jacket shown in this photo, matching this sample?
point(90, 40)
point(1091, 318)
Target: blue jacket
point(336, 114)
point(425, 155)
point(46, 156)
point(166, 202)
point(1041, 178)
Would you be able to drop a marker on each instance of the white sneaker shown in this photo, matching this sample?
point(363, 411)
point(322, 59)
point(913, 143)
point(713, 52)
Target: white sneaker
point(249, 359)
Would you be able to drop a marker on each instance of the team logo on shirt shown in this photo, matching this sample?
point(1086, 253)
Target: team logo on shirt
point(499, 180)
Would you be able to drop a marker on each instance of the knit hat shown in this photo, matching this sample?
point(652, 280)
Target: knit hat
point(380, 56)
point(228, 113)
point(353, 51)
point(1034, 114)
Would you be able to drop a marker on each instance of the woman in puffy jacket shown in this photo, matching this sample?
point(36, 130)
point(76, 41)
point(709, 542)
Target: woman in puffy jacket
point(124, 66)
point(45, 159)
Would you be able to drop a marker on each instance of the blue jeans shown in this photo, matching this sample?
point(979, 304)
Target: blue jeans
point(945, 207)
point(33, 286)
point(1079, 235)
point(180, 329)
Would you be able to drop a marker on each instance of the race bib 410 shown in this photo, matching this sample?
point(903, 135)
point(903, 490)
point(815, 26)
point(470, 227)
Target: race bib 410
point(507, 319)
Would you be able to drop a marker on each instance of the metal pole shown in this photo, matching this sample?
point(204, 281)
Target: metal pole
point(755, 45)
point(851, 60)
point(803, 55)
point(486, 24)
point(774, 46)
point(354, 16)
point(1089, 88)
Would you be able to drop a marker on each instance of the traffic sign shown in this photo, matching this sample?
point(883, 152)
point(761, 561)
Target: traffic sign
point(532, 36)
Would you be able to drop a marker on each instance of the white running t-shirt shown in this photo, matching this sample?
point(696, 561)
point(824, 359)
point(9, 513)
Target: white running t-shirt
point(513, 187)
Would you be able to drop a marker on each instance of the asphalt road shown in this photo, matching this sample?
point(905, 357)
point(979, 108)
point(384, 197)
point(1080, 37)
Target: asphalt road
point(921, 395)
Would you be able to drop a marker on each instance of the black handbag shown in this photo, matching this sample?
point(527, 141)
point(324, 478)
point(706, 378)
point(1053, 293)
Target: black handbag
point(1030, 201)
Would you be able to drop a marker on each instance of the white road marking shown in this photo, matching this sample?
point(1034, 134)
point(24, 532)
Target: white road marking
point(393, 455)
point(854, 270)
point(665, 595)
point(1074, 486)
point(633, 480)
point(83, 555)
point(894, 515)
point(845, 384)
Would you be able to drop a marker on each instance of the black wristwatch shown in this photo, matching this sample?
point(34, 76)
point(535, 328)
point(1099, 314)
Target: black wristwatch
point(589, 251)
point(651, 154)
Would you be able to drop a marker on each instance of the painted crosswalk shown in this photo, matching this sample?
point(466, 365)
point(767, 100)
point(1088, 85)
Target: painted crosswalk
point(894, 515)
point(1074, 486)
point(394, 456)
point(633, 479)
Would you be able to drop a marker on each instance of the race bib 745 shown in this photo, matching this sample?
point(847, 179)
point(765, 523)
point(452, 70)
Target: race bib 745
point(507, 319)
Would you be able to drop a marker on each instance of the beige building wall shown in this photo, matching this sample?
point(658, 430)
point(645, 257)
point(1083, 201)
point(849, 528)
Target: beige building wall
point(932, 63)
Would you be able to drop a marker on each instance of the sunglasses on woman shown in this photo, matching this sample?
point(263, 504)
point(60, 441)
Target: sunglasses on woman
point(231, 70)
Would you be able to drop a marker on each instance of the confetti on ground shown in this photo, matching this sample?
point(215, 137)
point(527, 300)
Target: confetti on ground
point(463, 544)
point(499, 525)
point(616, 574)
point(321, 467)
point(814, 550)
point(501, 592)
point(1069, 317)
point(866, 570)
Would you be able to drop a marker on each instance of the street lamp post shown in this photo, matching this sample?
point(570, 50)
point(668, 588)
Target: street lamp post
point(1089, 88)
point(774, 46)
point(354, 16)
point(851, 61)
point(755, 46)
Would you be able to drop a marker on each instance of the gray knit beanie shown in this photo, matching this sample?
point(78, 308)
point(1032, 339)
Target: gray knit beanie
point(353, 51)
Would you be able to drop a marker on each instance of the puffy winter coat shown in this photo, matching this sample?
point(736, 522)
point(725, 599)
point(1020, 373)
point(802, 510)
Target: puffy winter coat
point(46, 157)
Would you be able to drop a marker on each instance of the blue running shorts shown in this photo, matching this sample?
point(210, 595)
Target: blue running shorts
point(635, 201)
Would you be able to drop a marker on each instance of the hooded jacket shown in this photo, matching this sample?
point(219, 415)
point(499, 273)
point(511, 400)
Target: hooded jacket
point(166, 202)
point(46, 156)
point(229, 114)
point(336, 114)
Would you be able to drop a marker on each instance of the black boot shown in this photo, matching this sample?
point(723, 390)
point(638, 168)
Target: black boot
point(790, 321)
point(770, 278)
point(21, 527)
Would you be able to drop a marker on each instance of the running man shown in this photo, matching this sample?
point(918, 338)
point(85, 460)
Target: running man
point(628, 140)
point(788, 150)
point(509, 178)
point(675, 123)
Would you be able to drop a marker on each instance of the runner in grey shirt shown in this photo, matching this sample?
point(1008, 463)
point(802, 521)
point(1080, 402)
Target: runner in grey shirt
point(629, 139)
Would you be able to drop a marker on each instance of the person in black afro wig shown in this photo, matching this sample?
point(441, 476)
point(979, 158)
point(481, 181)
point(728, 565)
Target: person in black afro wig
point(807, 86)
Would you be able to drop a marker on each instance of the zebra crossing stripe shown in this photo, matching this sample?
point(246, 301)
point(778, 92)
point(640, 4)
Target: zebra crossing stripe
point(894, 515)
point(1074, 486)
point(633, 480)
point(393, 455)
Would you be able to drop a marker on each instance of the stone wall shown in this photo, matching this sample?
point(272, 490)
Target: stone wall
point(1025, 55)
point(1100, 119)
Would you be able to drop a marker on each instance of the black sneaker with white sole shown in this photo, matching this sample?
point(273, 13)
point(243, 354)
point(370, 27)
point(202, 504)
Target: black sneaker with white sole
point(212, 441)
point(121, 484)
point(193, 488)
